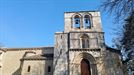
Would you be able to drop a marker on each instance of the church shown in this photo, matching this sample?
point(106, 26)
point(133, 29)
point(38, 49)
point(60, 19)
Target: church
point(79, 50)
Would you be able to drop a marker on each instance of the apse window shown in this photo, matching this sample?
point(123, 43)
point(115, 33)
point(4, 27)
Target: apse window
point(49, 69)
point(29, 68)
point(77, 21)
point(85, 41)
point(87, 22)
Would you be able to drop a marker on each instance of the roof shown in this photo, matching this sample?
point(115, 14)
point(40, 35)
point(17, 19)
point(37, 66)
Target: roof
point(39, 57)
point(82, 11)
point(2, 50)
point(32, 48)
point(113, 50)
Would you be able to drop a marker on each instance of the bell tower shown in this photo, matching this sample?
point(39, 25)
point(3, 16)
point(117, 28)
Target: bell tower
point(82, 21)
point(84, 28)
point(80, 42)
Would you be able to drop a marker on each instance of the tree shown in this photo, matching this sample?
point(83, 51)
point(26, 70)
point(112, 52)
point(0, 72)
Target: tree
point(123, 11)
point(119, 8)
point(128, 33)
point(127, 41)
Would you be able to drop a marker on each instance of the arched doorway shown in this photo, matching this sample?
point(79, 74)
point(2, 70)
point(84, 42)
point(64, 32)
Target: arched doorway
point(85, 67)
point(88, 59)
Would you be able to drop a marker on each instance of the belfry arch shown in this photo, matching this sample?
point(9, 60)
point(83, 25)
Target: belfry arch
point(81, 60)
point(76, 21)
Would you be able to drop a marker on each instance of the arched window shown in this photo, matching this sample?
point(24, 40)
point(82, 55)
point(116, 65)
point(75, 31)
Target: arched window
point(87, 22)
point(85, 41)
point(49, 69)
point(85, 67)
point(29, 68)
point(77, 21)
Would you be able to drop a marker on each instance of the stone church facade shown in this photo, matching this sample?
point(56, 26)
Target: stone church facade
point(79, 50)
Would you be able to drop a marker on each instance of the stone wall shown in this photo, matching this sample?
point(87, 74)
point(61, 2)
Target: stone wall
point(37, 67)
point(95, 39)
point(77, 56)
point(61, 54)
point(69, 50)
point(113, 63)
point(11, 59)
point(96, 21)
point(2, 52)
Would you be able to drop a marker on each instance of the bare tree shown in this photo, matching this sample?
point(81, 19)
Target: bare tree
point(126, 42)
point(123, 12)
point(120, 9)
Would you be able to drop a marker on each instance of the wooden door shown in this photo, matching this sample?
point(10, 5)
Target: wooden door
point(85, 67)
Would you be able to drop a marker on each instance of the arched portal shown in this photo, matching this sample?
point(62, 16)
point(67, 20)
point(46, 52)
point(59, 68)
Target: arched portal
point(82, 60)
point(85, 67)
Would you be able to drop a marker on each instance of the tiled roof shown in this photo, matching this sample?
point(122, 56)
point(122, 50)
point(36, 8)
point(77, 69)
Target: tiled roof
point(39, 57)
point(1, 49)
point(113, 50)
point(32, 48)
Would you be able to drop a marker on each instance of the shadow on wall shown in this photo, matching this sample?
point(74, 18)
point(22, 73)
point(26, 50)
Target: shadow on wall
point(17, 72)
point(56, 59)
point(48, 67)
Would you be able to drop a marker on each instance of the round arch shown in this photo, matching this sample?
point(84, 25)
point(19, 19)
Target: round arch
point(84, 40)
point(85, 55)
point(87, 20)
point(76, 20)
point(87, 14)
point(78, 59)
point(76, 14)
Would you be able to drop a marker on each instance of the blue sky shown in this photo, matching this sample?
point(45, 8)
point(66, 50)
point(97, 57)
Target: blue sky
point(32, 23)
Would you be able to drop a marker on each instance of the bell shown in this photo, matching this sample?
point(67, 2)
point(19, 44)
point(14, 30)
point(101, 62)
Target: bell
point(86, 21)
point(76, 21)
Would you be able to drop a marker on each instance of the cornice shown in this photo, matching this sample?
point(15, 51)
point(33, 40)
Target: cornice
point(39, 57)
point(86, 32)
point(85, 49)
point(1, 49)
point(34, 48)
point(82, 11)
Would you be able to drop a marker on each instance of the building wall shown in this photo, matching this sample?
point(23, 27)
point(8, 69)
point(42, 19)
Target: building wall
point(93, 53)
point(95, 39)
point(68, 51)
point(11, 59)
point(96, 21)
point(37, 67)
point(113, 63)
point(108, 64)
point(77, 56)
point(2, 52)
point(61, 54)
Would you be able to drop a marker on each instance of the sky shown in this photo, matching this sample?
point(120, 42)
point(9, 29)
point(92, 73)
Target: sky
point(32, 23)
